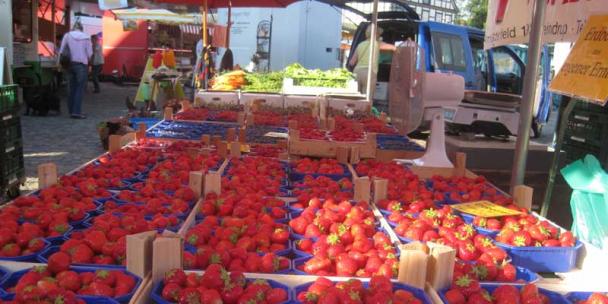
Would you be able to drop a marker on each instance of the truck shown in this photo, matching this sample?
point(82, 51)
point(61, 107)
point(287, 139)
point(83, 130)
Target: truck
point(456, 49)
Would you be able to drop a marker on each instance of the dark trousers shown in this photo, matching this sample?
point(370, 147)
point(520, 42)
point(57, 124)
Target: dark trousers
point(78, 81)
point(96, 70)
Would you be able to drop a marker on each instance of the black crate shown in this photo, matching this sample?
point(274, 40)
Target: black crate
point(576, 150)
point(11, 166)
point(10, 133)
point(8, 98)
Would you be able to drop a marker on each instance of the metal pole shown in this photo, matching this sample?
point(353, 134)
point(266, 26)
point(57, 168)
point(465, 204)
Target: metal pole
point(525, 112)
point(372, 46)
point(564, 117)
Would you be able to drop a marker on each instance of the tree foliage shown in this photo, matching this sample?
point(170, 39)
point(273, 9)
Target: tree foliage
point(478, 11)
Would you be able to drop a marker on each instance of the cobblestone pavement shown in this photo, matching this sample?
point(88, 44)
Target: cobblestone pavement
point(70, 142)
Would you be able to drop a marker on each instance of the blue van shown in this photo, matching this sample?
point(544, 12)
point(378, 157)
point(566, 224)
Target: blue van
point(458, 49)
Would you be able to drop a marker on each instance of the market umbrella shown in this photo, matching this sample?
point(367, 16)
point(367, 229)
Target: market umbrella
point(234, 3)
point(157, 15)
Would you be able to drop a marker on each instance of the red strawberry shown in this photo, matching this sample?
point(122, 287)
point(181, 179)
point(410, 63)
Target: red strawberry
point(454, 296)
point(106, 277)
point(10, 250)
point(100, 289)
point(68, 280)
point(81, 254)
point(58, 262)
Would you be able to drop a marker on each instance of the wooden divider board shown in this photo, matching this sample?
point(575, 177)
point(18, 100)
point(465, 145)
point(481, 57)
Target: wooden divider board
point(47, 175)
point(139, 253)
point(117, 142)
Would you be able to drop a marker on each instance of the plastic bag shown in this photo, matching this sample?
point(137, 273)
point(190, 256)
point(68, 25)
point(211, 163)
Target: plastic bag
point(589, 201)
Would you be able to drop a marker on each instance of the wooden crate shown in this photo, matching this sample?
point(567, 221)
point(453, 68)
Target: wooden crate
point(337, 105)
point(249, 101)
point(216, 97)
point(329, 149)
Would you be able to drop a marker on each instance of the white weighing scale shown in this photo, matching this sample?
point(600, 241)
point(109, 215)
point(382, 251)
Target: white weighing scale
point(420, 99)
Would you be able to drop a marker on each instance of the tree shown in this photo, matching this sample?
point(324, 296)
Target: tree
point(478, 12)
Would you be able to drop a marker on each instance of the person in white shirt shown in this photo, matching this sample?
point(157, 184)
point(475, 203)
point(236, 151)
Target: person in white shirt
point(78, 45)
point(96, 61)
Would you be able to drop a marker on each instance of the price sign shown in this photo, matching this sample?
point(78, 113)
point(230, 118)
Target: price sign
point(485, 209)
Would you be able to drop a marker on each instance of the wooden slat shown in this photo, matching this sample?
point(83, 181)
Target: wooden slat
point(47, 175)
point(522, 195)
point(139, 253)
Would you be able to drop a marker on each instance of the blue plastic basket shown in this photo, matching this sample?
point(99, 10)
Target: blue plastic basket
point(396, 142)
point(28, 257)
point(579, 296)
point(12, 280)
point(43, 257)
point(554, 297)
point(11, 297)
point(156, 294)
point(149, 121)
point(543, 259)
point(418, 293)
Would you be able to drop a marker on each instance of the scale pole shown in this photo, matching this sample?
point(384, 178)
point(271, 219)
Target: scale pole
point(525, 120)
point(372, 46)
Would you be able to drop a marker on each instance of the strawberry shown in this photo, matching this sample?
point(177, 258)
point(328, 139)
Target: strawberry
point(95, 239)
point(68, 280)
point(455, 296)
point(10, 250)
point(100, 289)
point(58, 262)
point(171, 292)
point(466, 284)
point(106, 277)
point(81, 254)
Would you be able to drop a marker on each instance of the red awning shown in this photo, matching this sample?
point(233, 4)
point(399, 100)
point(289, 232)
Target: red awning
point(235, 3)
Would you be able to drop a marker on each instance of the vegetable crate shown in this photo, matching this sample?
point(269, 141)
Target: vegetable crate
point(291, 86)
point(350, 106)
point(214, 97)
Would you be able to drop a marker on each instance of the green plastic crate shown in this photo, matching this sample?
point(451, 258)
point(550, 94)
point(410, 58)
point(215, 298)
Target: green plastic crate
point(11, 166)
point(8, 98)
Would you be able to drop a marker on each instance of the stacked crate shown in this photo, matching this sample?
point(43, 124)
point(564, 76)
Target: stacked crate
point(587, 133)
point(12, 170)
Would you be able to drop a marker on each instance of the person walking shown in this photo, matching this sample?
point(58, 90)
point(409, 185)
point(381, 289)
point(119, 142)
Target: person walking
point(361, 60)
point(76, 49)
point(96, 61)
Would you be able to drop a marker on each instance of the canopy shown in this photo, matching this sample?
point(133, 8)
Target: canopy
point(157, 15)
point(233, 3)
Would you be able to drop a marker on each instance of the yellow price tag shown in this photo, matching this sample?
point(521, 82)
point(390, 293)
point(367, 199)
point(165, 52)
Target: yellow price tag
point(485, 209)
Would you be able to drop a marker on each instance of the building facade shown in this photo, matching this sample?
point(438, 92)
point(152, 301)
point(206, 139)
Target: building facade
point(444, 11)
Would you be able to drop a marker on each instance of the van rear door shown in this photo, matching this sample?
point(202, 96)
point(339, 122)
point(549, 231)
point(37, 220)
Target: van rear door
point(448, 49)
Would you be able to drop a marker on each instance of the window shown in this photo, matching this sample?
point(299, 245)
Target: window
point(439, 16)
point(426, 1)
point(505, 64)
point(449, 52)
point(448, 18)
point(425, 14)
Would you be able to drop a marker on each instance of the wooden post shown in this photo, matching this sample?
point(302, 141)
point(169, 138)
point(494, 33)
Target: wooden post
point(206, 139)
point(342, 155)
point(441, 266)
point(167, 255)
point(222, 149)
point(235, 149)
point(380, 189)
point(355, 155)
point(282, 143)
point(331, 124)
point(362, 189)
point(168, 113)
point(139, 253)
point(47, 175)
point(460, 166)
point(412, 266)
point(243, 135)
point(185, 105)
point(292, 124)
point(230, 135)
point(195, 182)
point(114, 143)
point(216, 139)
point(213, 183)
point(141, 131)
point(522, 195)
point(240, 118)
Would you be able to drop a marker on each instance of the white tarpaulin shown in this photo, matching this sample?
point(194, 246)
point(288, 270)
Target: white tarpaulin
point(508, 21)
point(112, 4)
point(157, 15)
